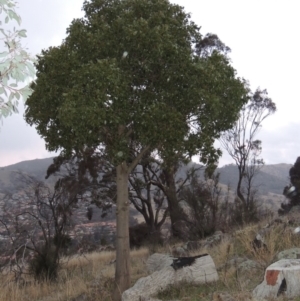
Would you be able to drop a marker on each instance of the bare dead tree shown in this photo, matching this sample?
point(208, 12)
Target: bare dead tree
point(88, 175)
point(241, 144)
point(147, 198)
point(153, 187)
point(203, 197)
point(36, 226)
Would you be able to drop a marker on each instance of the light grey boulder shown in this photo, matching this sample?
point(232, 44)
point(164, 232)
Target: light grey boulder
point(281, 278)
point(248, 265)
point(179, 252)
point(214, 240)
point(192, 245)
point(152, 299)
point(202, 270)
point(293, 253)
point(157, 262)
point(148, 299)
point(233, 262)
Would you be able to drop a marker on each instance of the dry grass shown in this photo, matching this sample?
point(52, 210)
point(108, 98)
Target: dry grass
point(93, 273)
point(239, 245)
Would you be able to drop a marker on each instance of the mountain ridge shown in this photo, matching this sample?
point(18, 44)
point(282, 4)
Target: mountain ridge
point(271, 179)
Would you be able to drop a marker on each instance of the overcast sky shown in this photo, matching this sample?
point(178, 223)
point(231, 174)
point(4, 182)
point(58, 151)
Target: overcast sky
point(263, 37)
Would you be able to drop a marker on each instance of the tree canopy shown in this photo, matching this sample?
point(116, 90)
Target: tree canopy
point(124, 66)
point(134, 76)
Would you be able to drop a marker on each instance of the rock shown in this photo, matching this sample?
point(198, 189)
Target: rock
point(220, 233)
point(181, 262)
point(192, 245)
point(148, 299)
point(202, 270)
point(214, 240)
point(295, 211)
point(179, 252)
point(152, 299)
point(247, 265)
point(293, 253)
point(157, 262)
point(281, 278)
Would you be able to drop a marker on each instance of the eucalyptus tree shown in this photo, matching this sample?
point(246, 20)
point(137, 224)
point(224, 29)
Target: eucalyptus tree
point(128, 77)
point(224, 95)
point(245, 149)
point(16, 64)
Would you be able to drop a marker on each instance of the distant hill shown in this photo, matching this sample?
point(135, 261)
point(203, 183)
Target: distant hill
point(9, 183)
point(36, 168)
point(271, 179)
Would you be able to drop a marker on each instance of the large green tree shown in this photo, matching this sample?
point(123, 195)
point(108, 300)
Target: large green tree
point(129, 77)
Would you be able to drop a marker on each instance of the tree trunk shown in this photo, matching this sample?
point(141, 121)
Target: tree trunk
point(177, 215)
point(122, 275)
point(239, 185)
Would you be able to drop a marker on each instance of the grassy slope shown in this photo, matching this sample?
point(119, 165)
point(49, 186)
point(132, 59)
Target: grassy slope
point(92, 275)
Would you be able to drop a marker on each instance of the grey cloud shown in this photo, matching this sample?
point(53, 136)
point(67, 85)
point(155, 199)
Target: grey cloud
point(256, 54)
point(46, 20)
point(281, 145)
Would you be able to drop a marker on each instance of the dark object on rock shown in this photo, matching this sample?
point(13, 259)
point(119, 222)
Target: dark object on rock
point(258, 244)
point(184, 261)
point(282, 288)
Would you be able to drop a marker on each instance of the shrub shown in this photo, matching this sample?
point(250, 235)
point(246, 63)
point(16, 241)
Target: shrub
point(45, 263)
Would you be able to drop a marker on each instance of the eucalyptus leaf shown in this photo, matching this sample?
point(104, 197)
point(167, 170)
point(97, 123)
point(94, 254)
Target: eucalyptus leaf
point(3, 54)
point(22, 33)
point(16, 63)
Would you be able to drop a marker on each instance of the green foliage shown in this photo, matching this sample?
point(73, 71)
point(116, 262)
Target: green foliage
point(129, 78)
point(203, 199)
point(16, 65)
point(127, 70)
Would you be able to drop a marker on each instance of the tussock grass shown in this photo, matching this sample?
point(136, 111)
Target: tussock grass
point(239, 245)
point(93, 274)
